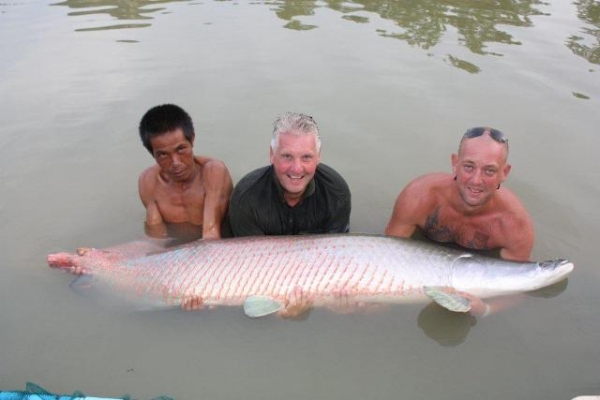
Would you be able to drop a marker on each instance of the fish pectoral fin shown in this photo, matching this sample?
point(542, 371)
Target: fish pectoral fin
point(259, 306)
point(448, 298)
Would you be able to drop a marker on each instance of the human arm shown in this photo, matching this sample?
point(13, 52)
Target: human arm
point(333, 193)
point(340, 216)
point(154, 225)
point(218, 187)
point(519, 235)
point(340, 220)
point(517, 251)
point(243, 218)
point(409, 209)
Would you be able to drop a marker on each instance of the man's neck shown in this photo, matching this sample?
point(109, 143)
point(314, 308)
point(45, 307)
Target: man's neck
point(292, 199)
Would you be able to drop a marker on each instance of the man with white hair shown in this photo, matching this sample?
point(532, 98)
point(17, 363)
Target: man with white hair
point(295, 194)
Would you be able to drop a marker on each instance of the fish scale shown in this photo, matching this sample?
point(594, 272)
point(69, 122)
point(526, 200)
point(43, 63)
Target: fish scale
point(328, 268)
point(272, 267)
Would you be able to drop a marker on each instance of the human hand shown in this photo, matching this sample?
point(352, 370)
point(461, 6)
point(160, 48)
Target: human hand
point(297, 304)
point(192, 303)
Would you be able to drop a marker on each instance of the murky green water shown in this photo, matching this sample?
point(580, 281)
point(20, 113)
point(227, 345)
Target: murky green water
point(393, 85)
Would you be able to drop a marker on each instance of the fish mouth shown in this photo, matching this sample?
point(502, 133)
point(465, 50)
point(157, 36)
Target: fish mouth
point(560, 267)
point(60, 260)
point(552, 271)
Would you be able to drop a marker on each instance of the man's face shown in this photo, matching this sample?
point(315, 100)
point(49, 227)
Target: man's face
point(479, 167)
point(295, 162)
point(174, 154)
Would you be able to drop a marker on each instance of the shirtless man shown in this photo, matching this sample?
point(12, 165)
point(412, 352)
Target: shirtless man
point(181, 190)
point(468, 207)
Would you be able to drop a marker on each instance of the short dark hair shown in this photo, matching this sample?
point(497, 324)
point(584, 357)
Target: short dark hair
point(163, 119)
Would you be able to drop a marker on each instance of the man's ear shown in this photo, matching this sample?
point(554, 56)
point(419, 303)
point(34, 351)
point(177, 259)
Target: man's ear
point(505, 171)
point(454, 161)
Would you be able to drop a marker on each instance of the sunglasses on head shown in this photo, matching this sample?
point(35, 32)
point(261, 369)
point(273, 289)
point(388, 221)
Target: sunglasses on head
point(495, 134)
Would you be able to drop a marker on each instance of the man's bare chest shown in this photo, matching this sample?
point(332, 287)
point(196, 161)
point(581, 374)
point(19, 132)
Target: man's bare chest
point(181, 205)
point(470, 232)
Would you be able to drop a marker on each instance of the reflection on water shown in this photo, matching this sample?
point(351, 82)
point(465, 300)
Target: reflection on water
point(450, 329)
point(420, 23)
point(119, 9)
point(287, 10)
point(447, 328)
point(71, 120)
point(551, 291)
point(424, 23)
point(589, 12)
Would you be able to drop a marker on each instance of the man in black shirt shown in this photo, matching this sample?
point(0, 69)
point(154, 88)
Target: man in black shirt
point(295, 194)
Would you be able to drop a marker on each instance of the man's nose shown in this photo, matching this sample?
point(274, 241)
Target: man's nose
point(175, 160)
point(476, 178)
point(296, 165)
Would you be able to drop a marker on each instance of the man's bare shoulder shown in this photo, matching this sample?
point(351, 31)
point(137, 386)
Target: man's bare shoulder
point(215, 174)
point(203, 160)
point(213, 165)
point(150, 173)
point(212, 168)
point(416, 202)
point(514, 213)
point(426, 186)
point(421, 195)
point(148, 179)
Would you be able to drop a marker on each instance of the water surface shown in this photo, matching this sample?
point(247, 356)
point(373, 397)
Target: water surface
point(393, 85)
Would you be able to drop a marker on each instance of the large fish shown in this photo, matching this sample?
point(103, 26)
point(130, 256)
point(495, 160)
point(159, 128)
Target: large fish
point(277, 273)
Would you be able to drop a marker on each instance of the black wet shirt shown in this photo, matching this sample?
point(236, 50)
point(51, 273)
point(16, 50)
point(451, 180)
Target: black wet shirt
point(257, 206)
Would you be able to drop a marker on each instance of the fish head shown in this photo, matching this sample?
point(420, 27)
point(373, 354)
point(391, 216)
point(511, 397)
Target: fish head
point(553, 271)
point(84, 261)
point(68, 262)
point(487, 277)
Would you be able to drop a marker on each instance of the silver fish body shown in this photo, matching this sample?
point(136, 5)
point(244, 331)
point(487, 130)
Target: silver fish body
point(328, 269)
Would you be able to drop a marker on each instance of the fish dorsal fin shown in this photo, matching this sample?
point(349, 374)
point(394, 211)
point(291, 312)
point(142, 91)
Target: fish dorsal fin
point(448, 298)
point(259, 306)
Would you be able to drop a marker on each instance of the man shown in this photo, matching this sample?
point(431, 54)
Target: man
point(181, 190)
point(295, 194)
point(468, 207)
